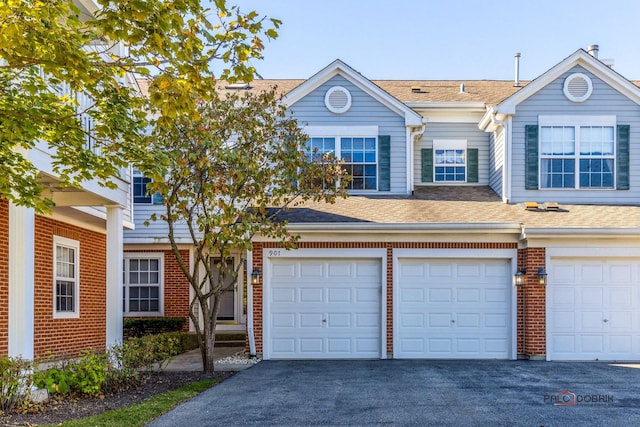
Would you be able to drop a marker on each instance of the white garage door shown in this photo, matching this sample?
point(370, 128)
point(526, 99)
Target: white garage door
point(324, 308)
point(454, 309)
point(594, 309)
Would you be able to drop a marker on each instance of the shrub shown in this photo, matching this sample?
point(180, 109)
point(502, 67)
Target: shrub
point(15, 382)
point(152, 326)
point(86, 375)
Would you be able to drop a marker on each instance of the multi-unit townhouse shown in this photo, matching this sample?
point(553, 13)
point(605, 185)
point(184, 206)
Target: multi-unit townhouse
point(487, 219)
point(61, 274)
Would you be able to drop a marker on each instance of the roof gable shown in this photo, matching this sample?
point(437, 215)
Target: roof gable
point(586, 61)
point(338, 67)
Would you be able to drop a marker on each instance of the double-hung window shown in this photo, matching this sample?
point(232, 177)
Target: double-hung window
point(66, 281)
point(577, 152)
point(450, 160)
point(142, 284)
point(356, 146)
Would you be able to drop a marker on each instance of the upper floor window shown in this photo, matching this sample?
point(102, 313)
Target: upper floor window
point(358, 153)
point(578, 154)
point(66, 282)
point(450, 160)
point(141, 194)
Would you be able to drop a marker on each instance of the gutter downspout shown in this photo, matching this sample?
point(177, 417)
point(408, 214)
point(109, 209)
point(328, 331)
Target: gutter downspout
point(252, 339)
point(414, 133)
point(506, 178)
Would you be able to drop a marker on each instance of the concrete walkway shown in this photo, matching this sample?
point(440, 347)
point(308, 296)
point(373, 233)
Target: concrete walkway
point(192, 360)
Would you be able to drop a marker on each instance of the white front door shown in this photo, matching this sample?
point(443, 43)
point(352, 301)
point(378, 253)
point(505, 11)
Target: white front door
point(454, 309)
point(594, 309)
point(323, 308)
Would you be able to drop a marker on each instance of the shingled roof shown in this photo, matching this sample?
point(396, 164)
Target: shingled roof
point(468, 205)
point(489, 92)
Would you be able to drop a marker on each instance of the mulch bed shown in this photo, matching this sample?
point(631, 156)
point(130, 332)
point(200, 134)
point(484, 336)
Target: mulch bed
point(57, 411)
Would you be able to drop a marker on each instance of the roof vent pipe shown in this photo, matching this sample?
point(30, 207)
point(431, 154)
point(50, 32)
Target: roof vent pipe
point(461, 87)
point(593, 50)
point(516, 81)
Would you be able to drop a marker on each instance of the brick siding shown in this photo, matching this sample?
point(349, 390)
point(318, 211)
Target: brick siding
point(175, 285)
point(68, 337)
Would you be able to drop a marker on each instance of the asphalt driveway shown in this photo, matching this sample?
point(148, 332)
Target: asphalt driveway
point(417, 392)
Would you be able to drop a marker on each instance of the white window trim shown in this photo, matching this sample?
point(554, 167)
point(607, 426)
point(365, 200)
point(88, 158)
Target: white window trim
point(577, 122)
point(144, 255)
point(450, 144)
point(75, 245)
point(345, 131)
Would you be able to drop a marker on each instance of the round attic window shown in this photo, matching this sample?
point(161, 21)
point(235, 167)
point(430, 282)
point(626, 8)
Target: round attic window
point(338, 100)
point(578, 87)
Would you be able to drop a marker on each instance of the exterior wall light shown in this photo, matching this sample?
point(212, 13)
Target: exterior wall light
point(519, 277)
point(542, 277)
point(255, 276)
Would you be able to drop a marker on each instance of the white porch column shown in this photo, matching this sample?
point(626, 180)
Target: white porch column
point(21, 281)
point(115, 242)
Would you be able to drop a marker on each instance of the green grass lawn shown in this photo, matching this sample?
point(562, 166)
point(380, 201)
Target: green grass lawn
point(143, 412)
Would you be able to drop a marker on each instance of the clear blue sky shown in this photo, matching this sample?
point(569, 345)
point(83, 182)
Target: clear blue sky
point(445, 39)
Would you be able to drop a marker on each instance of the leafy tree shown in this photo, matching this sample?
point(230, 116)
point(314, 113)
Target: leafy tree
point(226, 177)
point(54, 52)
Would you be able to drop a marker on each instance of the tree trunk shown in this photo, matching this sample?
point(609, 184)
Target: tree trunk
point(210, 313)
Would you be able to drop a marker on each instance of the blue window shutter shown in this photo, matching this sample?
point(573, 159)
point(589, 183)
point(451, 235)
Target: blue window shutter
point(427, 164)
point(622, 157)
point(384, 163)
point(472, 165)
point(531, 156)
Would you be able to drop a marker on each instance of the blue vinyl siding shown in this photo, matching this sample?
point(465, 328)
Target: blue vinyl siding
point(550, 100)
point(365, 111)
point(475, 137)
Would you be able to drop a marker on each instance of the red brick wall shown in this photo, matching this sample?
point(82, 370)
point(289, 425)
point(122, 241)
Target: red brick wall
point(176, 286)
point(533, 305)
point(63, 337)
point(4, 277)
point(257, 263)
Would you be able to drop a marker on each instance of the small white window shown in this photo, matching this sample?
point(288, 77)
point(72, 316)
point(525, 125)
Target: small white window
point(338, 100)
point(578, 87)
point(142, 284)
point(450, 161)
point(66, 280)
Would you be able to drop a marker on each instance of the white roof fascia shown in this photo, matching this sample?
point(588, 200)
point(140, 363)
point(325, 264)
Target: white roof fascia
point(368, 227)
point(453, 104)
point(581, 232)
point(583, 59)
point(337, 67)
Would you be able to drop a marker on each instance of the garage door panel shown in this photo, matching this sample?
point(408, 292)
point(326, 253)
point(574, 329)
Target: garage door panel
point(468, 320)
point(412, 295)
point(440, 295)
point(468, 295)
point(469, 270)
point(329, 308)
point(603, 317)
point(465, 312)
point(591, 296)
point(499, 296)
point(371, 295)
point(337, 295)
